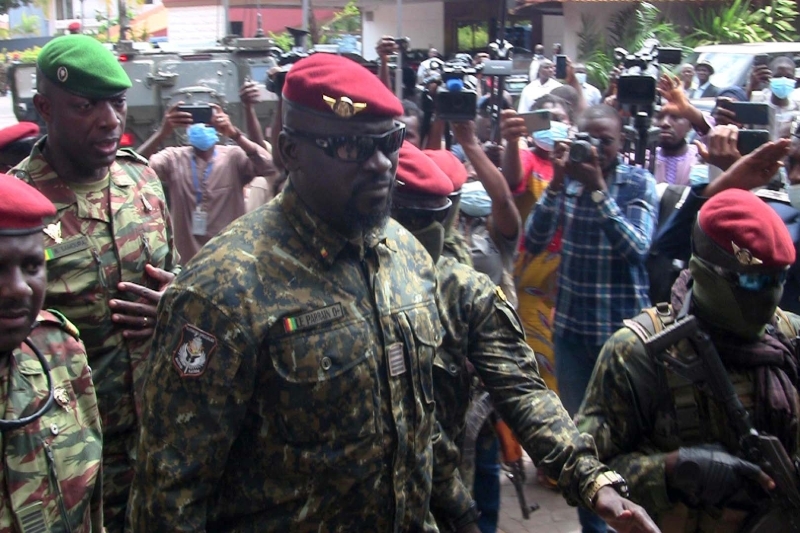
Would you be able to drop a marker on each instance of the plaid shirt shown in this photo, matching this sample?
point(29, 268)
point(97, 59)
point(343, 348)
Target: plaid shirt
point(602, 276)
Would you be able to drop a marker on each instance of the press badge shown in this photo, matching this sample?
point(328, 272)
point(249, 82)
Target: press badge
point(199, 223)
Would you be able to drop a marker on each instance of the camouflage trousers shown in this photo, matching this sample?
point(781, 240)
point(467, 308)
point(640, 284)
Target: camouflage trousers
point(118, 462)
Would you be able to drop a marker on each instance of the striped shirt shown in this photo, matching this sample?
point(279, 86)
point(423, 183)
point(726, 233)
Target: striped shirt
point(602, 276)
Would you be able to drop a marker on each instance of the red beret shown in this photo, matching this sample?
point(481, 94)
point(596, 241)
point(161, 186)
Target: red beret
point(21, 130)
point(339, 86)
point(450, 165)
point(748, 232)
point(74, 26)
point(22, 207)
point(418, 174)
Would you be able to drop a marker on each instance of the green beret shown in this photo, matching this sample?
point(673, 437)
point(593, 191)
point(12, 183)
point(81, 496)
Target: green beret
point(80, 64)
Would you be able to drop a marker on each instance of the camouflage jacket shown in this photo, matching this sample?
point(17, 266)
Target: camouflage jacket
point(90, 248)
point(291, 387)
point(638, 411)
point(50, 477)
point(481, 327)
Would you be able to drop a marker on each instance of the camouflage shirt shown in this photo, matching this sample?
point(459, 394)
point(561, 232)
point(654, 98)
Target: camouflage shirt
point(481, 327)
point(630, 408)
point(291, 387)
point(99, 238)
point(104, 233)
point(50, 477)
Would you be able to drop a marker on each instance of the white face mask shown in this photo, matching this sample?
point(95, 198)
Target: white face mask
point(581, 77)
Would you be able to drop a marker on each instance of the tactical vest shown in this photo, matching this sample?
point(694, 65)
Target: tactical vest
point(700, 419)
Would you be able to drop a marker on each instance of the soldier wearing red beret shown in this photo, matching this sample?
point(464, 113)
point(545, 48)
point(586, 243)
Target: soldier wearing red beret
point(52, 442)
point(671, 437)
point(16, 143)
point(481, 327)
point(290, 388)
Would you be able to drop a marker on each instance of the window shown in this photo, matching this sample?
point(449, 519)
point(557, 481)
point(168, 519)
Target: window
point(472, 35)
point(64, 10)
point(237, 28)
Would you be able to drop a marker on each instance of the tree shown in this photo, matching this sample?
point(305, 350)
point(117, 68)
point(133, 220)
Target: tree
point(8, 5)
point(28, 26)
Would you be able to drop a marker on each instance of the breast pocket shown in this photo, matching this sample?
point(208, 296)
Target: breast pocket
point(422, 332)
point(326, 390)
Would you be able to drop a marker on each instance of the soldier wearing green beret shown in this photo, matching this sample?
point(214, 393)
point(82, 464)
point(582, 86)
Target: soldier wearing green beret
point(109, 248)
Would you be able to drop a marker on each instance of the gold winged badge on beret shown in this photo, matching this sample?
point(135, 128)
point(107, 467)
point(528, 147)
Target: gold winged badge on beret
point(745, 256)
point(344, 106)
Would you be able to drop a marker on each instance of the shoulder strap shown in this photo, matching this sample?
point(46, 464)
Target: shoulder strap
point(132, 155)
point(55, 318)
point(651, 320)
point(785, 324)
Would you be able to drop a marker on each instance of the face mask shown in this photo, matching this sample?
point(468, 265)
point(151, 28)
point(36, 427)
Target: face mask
point(781, 87)
point(432, 238)
point(201, 136)
point(475, 201)
point(546, 139)
point(729, 307)
point(581, 77)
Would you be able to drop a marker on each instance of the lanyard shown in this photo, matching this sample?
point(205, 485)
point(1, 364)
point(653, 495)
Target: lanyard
point(198, 191)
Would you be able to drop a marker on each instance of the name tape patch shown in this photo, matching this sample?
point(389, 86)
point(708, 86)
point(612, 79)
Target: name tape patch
point(67, 247)
point(313, 318)
point(397, 362)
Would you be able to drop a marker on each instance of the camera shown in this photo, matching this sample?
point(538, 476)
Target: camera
point(277, 76)
point(637, 83)
point(456, 98)
point(580, 151)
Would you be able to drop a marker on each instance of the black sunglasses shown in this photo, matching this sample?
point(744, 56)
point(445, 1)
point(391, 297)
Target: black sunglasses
point(356, 148)
point(754, 282)
point(417, 218)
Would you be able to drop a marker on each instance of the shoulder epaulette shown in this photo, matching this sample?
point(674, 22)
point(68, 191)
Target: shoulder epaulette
point(130, 153)
point(51, 316)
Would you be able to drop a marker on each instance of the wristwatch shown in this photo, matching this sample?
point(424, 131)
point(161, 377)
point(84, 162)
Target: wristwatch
point(606, 479)
point(599, 196)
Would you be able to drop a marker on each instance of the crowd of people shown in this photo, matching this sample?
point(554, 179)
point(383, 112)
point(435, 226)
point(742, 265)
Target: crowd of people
point(348, 322)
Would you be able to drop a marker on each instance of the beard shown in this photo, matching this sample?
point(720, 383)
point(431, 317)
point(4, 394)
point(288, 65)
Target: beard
point(375, 218)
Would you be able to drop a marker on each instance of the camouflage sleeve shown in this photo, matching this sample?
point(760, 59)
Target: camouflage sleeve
point(619, 403)
point(199, 382)
point(450, 498)
point(507, 366)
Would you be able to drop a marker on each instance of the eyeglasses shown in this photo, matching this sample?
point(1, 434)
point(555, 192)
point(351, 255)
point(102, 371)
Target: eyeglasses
point(414, 218)
point(355, 148)
point(754, 282)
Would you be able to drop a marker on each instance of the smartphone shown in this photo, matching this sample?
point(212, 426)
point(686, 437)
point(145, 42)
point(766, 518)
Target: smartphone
point(561, 67)
point(749, 140)
point(201, 113)
point(748, 112)
point(760, 59)
point(537, 120)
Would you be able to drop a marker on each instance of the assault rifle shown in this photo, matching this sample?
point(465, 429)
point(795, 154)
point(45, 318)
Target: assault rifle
point(512, 459)
point(705, 366)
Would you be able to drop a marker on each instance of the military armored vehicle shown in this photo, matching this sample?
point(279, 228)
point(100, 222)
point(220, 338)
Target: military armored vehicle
point(163, 77)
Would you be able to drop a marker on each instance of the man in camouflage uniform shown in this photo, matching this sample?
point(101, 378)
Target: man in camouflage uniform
point(51, 438)
point(291, 387)
point(109, 248)
point(482, 329)
point(672, 440)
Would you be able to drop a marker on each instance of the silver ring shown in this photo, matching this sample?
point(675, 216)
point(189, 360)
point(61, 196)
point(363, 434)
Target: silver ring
point(145, 321)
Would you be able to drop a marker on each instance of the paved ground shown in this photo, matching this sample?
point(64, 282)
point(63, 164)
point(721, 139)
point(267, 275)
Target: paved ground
point(553, 515)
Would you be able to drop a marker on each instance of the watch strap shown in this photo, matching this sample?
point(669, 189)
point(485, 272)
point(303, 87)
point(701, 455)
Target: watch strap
point(607, 479)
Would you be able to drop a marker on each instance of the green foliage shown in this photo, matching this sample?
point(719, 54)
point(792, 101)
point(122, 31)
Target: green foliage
point(742, 22)
point(29, 26)
point(473, 37)
point(284, 40)
point(629, 29)
point(348, 20)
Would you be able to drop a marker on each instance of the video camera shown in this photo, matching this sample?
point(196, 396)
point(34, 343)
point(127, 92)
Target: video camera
point(456, 98)
point(637, 83)
point(580, 150)
point(285, 60)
